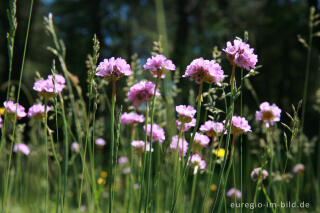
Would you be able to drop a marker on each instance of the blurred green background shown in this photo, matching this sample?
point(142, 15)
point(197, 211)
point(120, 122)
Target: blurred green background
point(189, 29)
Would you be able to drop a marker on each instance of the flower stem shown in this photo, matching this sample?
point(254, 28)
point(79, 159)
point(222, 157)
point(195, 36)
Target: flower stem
point(46, 153)
point(193, 187)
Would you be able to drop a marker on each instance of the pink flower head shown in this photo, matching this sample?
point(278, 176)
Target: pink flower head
point(139, 146)
point(255, 174)
point(183, 145)
point(100, 142)
point(239, 125)
point(141, 92)
point(47, 88)
point(185, 113)
point(13, 109)
point(37, 110)
point(201, 140)
point(201, 70)
point(113, 68)
point(22, 148)
point(268, 113)
point(187, 126)
point(131, 118)
point(234, 193)
point(158, 133)
point(0, 122)
point(299, 168)
point(212, 129)
point(196, 160)
point(122, 160)
point(75, 147)
point(241, 55)
point(158, 64)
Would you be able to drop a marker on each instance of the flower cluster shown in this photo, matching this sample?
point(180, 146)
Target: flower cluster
point(212, 129)
point(201, 70)
point(22, 148)
point(52, 85)
point(196, 160)
point(201, 140)
point(240, 54)
point(0, 122)
point(37, 111)
point(181, 144)
point(269, 114)
point(255, 174)
point(140, 145)
point(14, 109)
point(75, 147)
point(239, 125)
point(113, 68)
point(141, 92)
point(158, 133)
point(100, 142)
point(187, 126)
point(158, 64)
point(234, 193)
point(185, 113)
point(131, 118)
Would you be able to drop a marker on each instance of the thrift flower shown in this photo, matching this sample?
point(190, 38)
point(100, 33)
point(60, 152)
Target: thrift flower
point(212, 129)
point(158, 133)
point(37, 111)
point(299, 168)
point(234, 193)
point(122, 160)
point(100, 142)
point(126, 171)
point(241, 55)
point(113, 68)
point(268, 113)
point(131, 118)
point(201, 140)
point(201, 70)
point(139, 146)
point(141, 92)
point(158, 65)
point(196, 160)
point(255, 174)
point(239, 125)
point(187, 126)
point(75, 147)
point(47, 88)
point(185, 113)
point(14, 109)
point(0, 122)
point(183, 145)
point(22, 148)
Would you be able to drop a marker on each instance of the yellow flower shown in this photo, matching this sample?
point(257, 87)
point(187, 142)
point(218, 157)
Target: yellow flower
point(104, 174)
point(2, 109)
point(101, 181)
point(213, 187)
point(220, 152)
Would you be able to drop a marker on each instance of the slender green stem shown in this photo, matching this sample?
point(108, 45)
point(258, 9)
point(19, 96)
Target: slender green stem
point(151, 142)
point(112, 145)
point(241, 144)
point(194, 182)
point(133, 132)
point(45, 128)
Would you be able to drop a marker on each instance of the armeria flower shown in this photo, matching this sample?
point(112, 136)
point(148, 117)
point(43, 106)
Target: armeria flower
point(239, 125)
point(255, 174)
point(37, 111)
point(47, 88)
point(141, 92)
point(139, 146)
point(201, 140)
point(212, 129)
point(201, 70)
point(158, 65)
point(268, 113)
point(14, 109)
point(122, 160)
point(126, 171)
point(0, 122)
point(196, 160)
point(22, 148)
point(158, 133)
point(131, 118)
point(113, 68)
point(183, 145)
point(75, 147)
point(241, 55)
point(185, 113)
point(299, 168)
point(100, 142)
point(187, 126)
point(234, 193)
point(220, 152)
